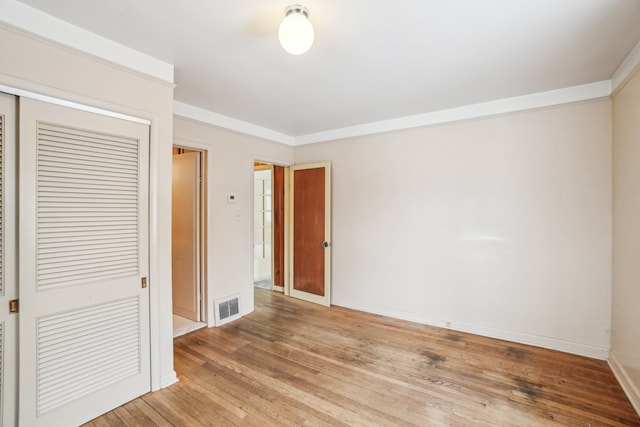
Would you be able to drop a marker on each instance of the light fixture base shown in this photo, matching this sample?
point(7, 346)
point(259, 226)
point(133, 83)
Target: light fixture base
point(296, 8)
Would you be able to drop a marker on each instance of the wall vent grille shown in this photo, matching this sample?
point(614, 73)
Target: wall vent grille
point(227, 309)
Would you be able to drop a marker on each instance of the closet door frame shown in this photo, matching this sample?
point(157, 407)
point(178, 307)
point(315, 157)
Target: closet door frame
point(9, 292)
point(162, 371)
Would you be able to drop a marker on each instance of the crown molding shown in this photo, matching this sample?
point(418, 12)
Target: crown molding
point(626, 69)
point(507, 105)
point(551, 98)
point(187, 111)
point(33, 21)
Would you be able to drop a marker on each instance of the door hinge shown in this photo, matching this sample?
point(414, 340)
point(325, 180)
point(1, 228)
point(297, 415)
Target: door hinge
point(144, 282)
point(14, 306)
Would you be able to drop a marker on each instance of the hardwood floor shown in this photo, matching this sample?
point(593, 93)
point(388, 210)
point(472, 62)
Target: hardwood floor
point(293, 363)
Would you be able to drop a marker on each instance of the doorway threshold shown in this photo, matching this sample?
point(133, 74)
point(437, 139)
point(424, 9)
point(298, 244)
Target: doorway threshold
point(264, 284)
point(182, 326)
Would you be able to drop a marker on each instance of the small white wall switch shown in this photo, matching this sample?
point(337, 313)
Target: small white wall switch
point(237, 215)
point(231, 198)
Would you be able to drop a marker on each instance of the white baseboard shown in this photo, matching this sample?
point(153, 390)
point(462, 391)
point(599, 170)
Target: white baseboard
point(168, 379)
point(601, 353)
point(630, 389)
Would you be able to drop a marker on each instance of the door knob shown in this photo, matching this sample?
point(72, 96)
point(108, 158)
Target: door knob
point(325, 244)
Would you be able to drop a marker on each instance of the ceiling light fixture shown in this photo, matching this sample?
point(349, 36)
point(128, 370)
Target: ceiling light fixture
point(296, 32)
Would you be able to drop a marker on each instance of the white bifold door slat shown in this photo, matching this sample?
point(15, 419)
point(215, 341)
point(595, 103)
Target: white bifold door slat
point(83, 253)
point(8, 288)
point(1, 369)
point(85, 350)
point(73, 219)
point(2, 131)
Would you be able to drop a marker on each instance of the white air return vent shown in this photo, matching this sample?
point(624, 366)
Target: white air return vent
point(227, 309)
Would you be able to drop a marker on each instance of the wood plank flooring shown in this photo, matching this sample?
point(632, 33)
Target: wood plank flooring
point(293, 363)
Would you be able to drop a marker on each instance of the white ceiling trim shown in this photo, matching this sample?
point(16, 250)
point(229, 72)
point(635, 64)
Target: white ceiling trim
point(551, 98)
point(32, 20)
point(199, 114)
point(627, 67)
point(501, 106)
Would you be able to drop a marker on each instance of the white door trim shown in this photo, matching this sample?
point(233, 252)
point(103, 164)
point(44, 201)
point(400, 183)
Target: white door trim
point(9, 338)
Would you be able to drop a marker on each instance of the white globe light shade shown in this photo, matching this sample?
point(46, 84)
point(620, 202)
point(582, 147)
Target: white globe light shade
point(296, 32)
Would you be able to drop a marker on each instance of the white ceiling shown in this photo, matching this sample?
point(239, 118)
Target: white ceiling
point(372, 60)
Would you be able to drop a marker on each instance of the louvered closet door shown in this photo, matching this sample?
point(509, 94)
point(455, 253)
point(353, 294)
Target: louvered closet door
point(84, 322)
point(8, 290)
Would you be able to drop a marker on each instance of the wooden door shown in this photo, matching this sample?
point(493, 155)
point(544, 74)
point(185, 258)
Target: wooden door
point(83, 232)
point(8, 250)
point(278, 228)
point(185, 235)
point(311, 232)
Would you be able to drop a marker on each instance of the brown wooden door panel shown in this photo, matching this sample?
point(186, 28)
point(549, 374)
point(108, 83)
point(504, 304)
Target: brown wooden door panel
point(308, 223)
point(278, 226)
point(311, 228)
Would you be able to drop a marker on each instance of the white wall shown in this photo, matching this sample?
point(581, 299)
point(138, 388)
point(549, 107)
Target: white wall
point(32, 64)
point(625, 328)
point(499, 226)
point(231, 157)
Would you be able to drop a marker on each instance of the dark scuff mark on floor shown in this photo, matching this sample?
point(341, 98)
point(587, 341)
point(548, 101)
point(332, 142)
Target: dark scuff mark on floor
point(518, 353)
point(532, 390)
point(453, 337)
point(434, 358)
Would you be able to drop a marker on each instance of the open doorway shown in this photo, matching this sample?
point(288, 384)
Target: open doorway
point(292, 230)
point(188, 240)
point(269, 226)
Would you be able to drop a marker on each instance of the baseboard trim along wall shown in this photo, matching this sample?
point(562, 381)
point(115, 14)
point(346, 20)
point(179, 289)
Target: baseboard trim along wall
point(502, 334)
point(625, 382)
